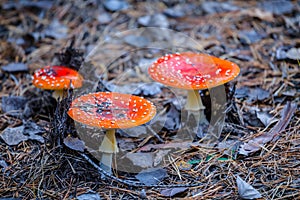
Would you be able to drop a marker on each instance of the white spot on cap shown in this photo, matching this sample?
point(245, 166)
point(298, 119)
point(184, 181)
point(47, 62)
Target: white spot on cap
point(227, 72)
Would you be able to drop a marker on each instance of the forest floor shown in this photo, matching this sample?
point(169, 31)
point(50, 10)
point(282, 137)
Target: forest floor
point(257, 156)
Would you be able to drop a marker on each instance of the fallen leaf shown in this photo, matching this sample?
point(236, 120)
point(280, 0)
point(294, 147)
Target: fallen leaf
point(242, 92)
point(293, 53)
point(278, 7)
point(250, 118)
point(256, 143)
point(281, 53)
point(15, 67)
point(27, 131)
point(290, 92)
point(259, 13)
point(137, 41)
point(115, 5)
point(13, 105)
point(171, 192)
point(144, 160)
point(104, 18)
point(246, 191)
point(151, 176)
point(28, 4)
point(74, 143)
point(253, 94)
point(250, 36)
point(56, 30)
point(228, 147)
point(91, 195)
point(212, 7)
point(174, 12)
point(3, 164)
point(160, 154)
point(264, 117)
point(144, 63)
point(157, 20)
point(258, 94)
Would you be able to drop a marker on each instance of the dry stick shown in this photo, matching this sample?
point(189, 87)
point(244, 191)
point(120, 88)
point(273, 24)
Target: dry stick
point(133, 183)
point(155, 134)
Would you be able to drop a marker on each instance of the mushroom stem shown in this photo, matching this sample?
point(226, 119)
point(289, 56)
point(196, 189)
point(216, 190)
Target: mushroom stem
point(194, 101)
point(58, 94)
point(109, 146)
point(106, 162)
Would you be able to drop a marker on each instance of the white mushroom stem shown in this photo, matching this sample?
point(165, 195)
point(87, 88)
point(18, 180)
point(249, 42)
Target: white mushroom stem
point(194, 102)
point(109, 146)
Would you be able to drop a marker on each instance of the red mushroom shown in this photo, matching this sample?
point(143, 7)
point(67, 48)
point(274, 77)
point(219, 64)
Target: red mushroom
point(57, 78)
point(193, 72)
point(111, 111)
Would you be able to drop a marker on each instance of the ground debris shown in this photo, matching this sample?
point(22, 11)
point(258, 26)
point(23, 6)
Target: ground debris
point(151, 176)
point(27, 131)
point(74, 143)
point(173, 191)
point(258, 142)
point(262, 37)
point(246, 191)
point(15, 67)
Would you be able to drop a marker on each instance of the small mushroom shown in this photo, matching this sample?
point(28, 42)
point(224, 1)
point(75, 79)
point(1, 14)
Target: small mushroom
point(111, 111)
point(57, 78)
point(193, 72)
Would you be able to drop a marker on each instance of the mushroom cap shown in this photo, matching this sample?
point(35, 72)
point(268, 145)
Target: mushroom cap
point(57, 78)
point(110, 110)
point(192, 71)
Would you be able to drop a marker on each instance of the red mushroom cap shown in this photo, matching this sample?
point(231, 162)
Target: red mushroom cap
point(111, 110)
point(57, 78)
point(192, 71)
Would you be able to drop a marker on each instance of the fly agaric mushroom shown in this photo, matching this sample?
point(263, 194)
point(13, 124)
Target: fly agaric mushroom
point(193, 72)
point(111, 111)
point(57, 78)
